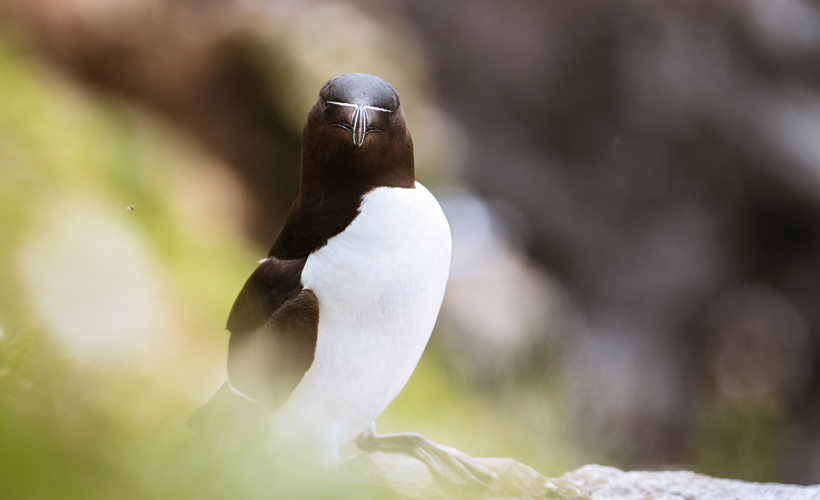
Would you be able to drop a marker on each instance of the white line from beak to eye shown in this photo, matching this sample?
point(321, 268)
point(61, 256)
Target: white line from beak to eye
point(378, 109)
point(357, 105)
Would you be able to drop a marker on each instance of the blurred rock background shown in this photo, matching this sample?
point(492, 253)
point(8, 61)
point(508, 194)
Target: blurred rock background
point(633, 189)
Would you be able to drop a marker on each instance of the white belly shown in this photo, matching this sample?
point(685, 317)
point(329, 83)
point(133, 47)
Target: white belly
point(380, 284)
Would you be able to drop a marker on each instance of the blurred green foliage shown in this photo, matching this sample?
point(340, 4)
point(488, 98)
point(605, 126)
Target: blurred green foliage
point(80, 428)
point(742, 439)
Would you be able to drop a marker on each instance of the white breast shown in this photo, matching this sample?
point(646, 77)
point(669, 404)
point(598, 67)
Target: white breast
point(380, 284)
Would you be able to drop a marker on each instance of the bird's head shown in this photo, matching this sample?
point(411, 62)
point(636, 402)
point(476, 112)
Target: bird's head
point(356, 129)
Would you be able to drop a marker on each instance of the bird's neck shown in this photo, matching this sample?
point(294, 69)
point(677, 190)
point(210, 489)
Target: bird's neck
point(332, 187)
point(324, 208)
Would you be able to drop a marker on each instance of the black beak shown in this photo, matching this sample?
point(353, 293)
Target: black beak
point(358, 127)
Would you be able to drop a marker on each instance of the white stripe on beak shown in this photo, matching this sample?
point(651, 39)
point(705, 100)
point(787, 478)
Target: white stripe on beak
point(359, 122)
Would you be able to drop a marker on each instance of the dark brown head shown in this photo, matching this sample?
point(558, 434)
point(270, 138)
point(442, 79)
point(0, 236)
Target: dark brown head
point(355, 140)
point(356, 132)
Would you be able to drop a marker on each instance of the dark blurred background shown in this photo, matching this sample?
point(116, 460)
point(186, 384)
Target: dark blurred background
point(633, 189)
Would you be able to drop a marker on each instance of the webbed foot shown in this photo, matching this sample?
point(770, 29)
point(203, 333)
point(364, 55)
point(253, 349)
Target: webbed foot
point(445, 463)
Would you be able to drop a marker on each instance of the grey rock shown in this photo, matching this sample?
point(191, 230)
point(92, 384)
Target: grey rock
point(514, 480)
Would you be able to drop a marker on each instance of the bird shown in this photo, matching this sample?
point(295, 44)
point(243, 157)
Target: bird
point(329, 327)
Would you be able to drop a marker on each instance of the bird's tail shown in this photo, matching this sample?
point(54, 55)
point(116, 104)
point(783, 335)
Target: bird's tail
point(229, 420)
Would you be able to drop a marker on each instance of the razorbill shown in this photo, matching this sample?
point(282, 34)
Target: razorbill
point(329, 327)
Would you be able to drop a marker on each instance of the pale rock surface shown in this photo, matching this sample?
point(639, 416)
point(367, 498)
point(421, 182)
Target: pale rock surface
point(411, 479)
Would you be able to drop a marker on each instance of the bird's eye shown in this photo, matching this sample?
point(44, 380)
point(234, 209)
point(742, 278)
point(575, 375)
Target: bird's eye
point(324, 103)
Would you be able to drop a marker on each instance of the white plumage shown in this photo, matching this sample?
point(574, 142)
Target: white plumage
point(380, 284)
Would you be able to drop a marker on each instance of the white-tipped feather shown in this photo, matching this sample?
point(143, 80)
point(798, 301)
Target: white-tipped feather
point(240, 393)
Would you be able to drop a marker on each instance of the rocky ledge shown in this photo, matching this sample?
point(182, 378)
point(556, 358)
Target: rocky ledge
point(514, 480)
